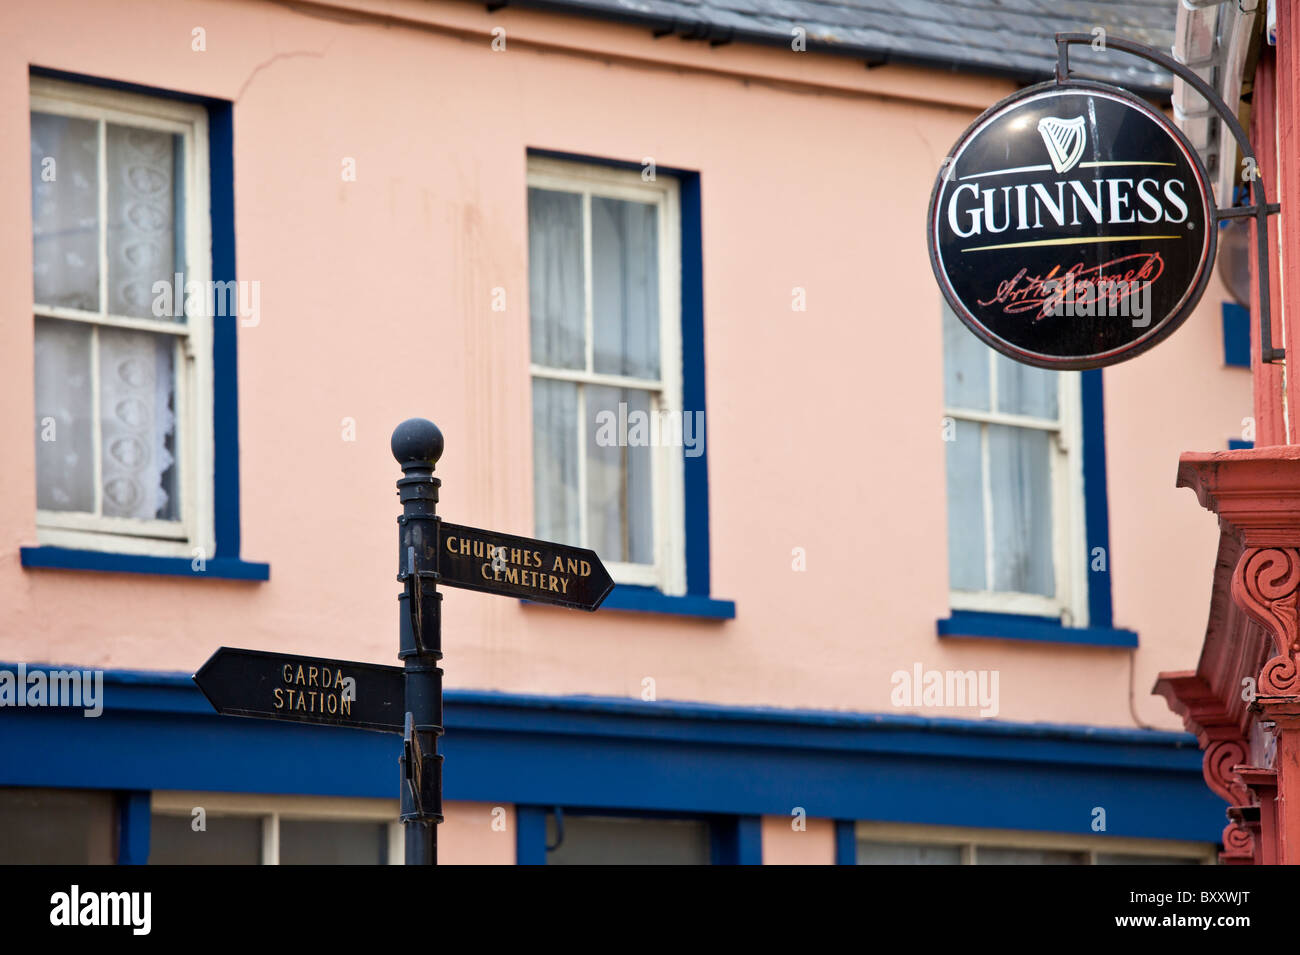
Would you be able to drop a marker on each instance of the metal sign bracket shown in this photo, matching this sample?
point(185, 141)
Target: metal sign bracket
point(1260, 208)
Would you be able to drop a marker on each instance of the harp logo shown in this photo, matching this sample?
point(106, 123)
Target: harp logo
point(1064, 139)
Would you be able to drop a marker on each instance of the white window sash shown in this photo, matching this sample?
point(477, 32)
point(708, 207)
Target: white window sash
point(194, 533)
point(668, 572)
point(1069, 540)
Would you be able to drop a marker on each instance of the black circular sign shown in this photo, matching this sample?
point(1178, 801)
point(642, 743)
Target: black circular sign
point(1072, 226)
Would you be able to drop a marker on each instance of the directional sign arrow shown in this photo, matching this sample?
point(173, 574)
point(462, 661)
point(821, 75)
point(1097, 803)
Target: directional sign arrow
point(522, 567)
point(281, 686)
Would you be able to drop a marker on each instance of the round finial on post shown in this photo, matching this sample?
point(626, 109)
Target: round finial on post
point(417, 442)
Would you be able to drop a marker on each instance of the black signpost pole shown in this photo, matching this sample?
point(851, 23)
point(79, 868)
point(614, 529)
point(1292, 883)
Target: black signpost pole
point(344, 693)
point(417, 445)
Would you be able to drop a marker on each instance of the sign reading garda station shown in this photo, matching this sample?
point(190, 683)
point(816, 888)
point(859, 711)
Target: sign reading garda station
point(1072, 226)
point(282, 686)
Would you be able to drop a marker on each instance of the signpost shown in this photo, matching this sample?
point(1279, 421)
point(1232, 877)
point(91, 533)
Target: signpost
point(408, 699)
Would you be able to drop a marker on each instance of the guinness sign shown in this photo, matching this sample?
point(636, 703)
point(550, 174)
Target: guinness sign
point(1072, 226)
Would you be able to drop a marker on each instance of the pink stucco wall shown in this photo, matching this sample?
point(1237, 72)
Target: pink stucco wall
point(823, 426)
point(785, 845)
point(477, 833)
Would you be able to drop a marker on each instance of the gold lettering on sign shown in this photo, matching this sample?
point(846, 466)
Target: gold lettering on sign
point(515, 565)
point(325, 700)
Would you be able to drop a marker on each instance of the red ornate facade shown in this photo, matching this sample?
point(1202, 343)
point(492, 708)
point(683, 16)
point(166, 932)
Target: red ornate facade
point(1243, 699)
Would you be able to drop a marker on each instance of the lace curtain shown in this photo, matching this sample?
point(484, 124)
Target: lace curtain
point(134, 409)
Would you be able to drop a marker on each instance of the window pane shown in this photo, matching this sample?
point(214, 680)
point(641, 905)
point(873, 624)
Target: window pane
point(556, 291)
point(65, 211)
point(328, 842)
point(988, 855)
point(619, 504)
point(1020, 478)
point(555, 460)
point(625, 287)
point(226, 840)
point(965, 366)
point(597, 840)
point(1024, 389)
point(56, 827)
point(142, 227)
point(907, 853)
point(966, 566)
point(65, 465)
point(138, 422)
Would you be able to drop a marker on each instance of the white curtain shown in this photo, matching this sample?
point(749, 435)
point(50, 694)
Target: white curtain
point(556, 296)
point(625, 287)
point(136, 399)
point(555, 460)
point(137, 423)
point(1021, 488)
point(65, 444)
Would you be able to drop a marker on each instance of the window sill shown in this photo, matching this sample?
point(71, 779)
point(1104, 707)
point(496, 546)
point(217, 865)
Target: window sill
point(634, 599)
point(63, 558)
point(966, 624)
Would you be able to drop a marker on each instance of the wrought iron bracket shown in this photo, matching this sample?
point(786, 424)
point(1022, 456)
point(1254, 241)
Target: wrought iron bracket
point(1260, 208)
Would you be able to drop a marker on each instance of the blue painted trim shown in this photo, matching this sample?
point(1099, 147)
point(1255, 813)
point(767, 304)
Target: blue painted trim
point(736, 840)
point(1096, 502)
point(846, 842)
point(1236, 335)
point(217, 568)
point(157, 732)
point(650, 600)
point(225, 377)
point(530, 835)
point(1236, 444)
point(133, 828)
point(1014, 626)
point(696, 469)
point(225, 372)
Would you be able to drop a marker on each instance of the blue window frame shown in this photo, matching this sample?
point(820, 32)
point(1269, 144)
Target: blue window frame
point(1101, 630)
point(1236, 335)
point(226, 561)
point(697, 601)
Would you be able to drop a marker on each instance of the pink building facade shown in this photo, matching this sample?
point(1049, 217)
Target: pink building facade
point(880, 597)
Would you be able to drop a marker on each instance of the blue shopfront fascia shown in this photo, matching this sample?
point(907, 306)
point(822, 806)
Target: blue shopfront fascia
point(226, 563)
point(157, 732)
point(1101, 631)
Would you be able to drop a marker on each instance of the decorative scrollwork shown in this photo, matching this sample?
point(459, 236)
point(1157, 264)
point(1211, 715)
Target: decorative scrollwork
point(1266, 585)
point(1238, 842)
point(1220, 757)
point(1280, 677)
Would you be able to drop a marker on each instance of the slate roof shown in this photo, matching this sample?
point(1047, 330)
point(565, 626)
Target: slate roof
point(1010, 38)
